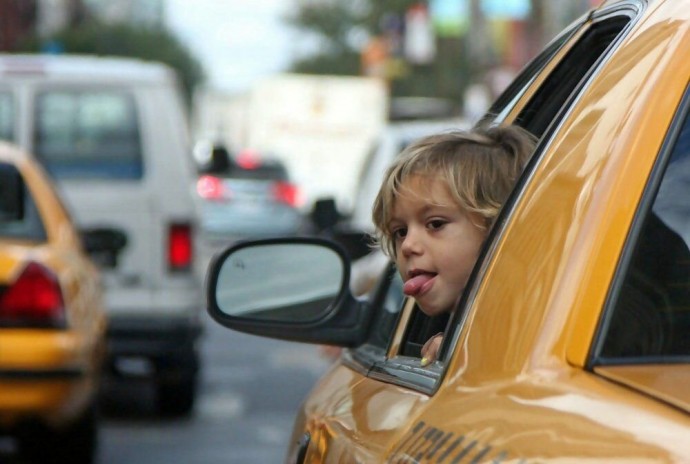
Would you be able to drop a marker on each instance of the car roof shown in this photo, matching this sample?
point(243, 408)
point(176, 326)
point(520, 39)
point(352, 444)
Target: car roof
point(75, 66)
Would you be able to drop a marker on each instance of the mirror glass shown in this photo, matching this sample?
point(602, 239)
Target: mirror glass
point(295, 282)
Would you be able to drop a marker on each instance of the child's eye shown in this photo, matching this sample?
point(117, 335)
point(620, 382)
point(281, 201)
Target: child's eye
point(436, 224)
point(399, 233)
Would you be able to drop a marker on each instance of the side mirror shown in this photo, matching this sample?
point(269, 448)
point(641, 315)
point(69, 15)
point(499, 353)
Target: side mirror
point(104, 245)
point(294, 288)
point(356, 243)
point(11, 194)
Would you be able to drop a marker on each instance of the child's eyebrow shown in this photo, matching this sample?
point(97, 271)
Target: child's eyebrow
point(394, 222)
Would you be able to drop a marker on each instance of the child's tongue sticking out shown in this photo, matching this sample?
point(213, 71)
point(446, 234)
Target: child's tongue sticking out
point(414, 285)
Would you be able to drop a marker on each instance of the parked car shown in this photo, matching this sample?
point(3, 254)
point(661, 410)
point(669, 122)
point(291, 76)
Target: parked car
point(113, 134)
point(52, 320)
point(247, 196)
point(570, 342)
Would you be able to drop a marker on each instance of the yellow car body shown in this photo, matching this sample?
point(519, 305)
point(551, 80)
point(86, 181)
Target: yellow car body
point(536, 364)
point(49, 369)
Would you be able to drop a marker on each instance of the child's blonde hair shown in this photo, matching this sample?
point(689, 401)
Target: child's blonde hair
point(480, 168)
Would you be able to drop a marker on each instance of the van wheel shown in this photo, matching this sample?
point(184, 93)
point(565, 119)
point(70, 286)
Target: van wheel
point(176, 386)
point(75, 443)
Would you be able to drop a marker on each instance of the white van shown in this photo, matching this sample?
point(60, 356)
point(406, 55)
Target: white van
point(113, 134)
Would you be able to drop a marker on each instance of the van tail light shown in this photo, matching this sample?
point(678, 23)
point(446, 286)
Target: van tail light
point(287, 193)
point(212, 188)
point(180, 247)
point(33, 300)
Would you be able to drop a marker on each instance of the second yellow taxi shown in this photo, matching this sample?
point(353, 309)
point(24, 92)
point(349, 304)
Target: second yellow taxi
point(52, 322)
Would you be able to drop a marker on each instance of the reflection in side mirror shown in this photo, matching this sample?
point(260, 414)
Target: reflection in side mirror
point(281, 282)
point(11, 194)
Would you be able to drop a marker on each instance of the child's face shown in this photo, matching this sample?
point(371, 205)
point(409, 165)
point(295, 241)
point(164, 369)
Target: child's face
point(436, 242)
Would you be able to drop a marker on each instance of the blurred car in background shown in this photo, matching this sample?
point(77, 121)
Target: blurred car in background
point(52, 319)
point(247, 196)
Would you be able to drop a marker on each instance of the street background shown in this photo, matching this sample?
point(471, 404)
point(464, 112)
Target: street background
point(251, 389)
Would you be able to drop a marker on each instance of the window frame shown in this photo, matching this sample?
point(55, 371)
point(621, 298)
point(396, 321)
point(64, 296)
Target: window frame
point(644, 208)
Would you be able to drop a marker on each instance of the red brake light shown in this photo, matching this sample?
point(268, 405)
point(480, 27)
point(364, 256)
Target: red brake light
point(287, 193)
point(212, 188)
point(248, 159)
point(180, 247)
point(34, 299)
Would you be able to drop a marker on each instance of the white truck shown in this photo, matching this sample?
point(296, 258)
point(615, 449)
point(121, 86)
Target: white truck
point(321, 127)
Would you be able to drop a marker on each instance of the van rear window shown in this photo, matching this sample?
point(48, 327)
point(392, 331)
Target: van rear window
point(88, 134)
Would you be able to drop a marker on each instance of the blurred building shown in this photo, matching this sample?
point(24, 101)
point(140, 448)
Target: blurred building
point(19, 18)
point(54, 15)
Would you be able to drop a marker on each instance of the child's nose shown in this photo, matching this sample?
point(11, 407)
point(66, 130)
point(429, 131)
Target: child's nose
point(411, 244)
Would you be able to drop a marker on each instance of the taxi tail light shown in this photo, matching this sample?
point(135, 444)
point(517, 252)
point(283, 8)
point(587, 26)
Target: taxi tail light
point(33, 300)
point(287, 193)
point(180, 251)
point(212, 188)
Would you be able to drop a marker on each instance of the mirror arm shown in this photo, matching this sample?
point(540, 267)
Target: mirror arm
point(351, 327)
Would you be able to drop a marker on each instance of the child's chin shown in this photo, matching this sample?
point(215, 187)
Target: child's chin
point(431, 311)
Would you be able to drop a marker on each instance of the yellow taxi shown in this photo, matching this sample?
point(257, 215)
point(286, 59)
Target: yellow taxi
point(52, 320)
point(571, 342)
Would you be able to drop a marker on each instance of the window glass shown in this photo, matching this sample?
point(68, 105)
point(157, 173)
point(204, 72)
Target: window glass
point(561, 85)
point(6, 116)
point(651, 318)
point(89, 134)
point(388, 305)
point(511, 95)
point(28, 226)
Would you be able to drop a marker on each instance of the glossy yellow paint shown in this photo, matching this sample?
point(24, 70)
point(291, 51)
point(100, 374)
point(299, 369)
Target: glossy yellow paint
point(514, 388)
point(51, 373)
point(369, 413)
point(551, 269)
point(40, 349)
point(658, 381)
